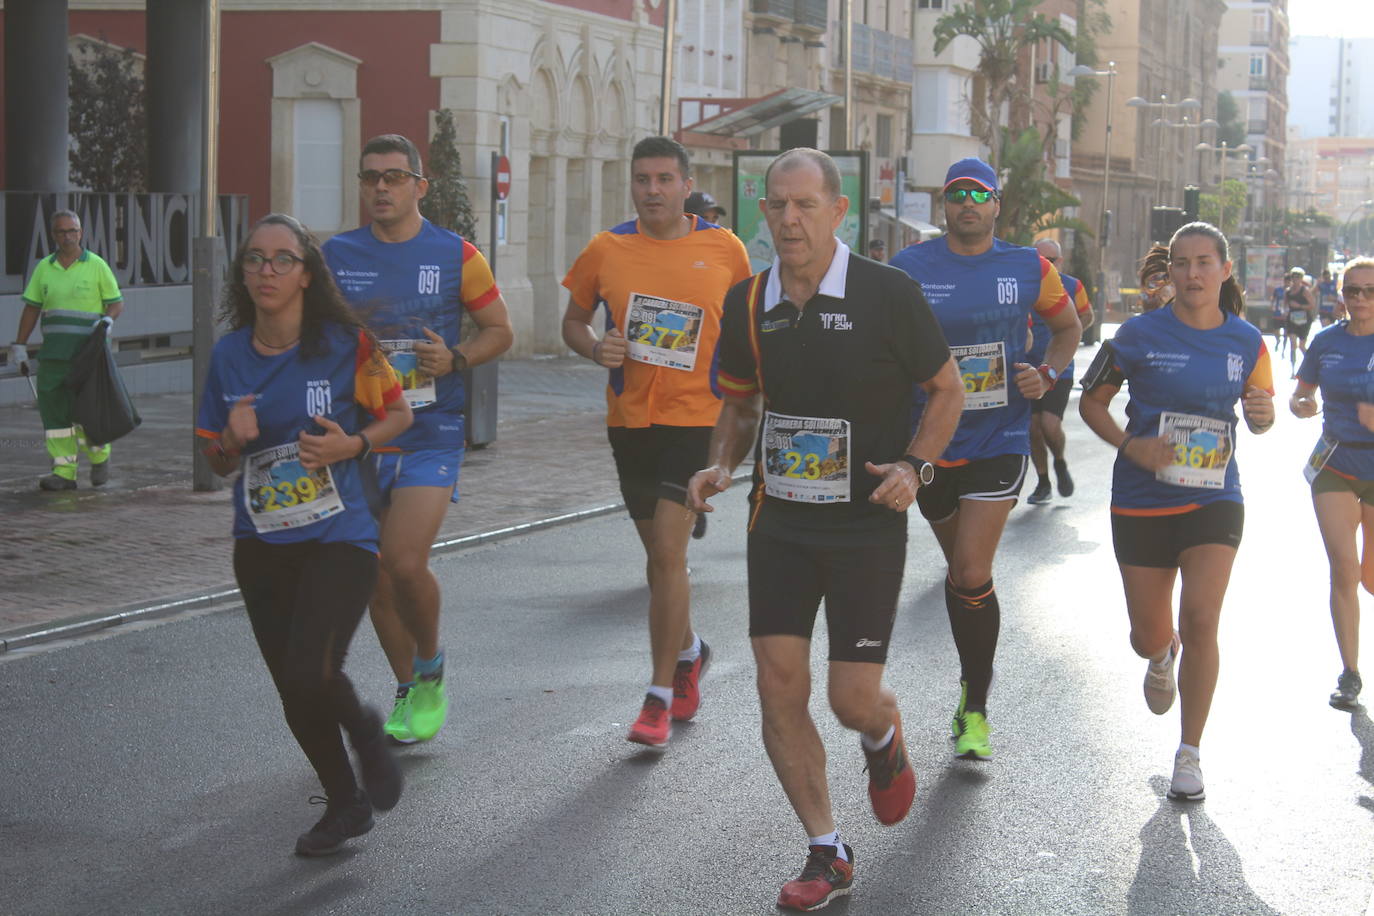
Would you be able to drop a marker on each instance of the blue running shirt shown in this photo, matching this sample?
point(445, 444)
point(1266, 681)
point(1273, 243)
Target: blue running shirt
point(398, 288)
point(1196, 377)
point(983, 303)
point(1341, 364)
point(275, 499)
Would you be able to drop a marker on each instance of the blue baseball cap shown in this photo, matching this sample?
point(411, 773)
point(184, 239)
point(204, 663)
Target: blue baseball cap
point(975, 170)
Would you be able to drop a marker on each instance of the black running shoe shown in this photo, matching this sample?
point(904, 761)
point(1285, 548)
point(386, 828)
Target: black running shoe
point(381, 775)
point(1061, 476)
point(1041, 494)
point(342, 820)
point(1347, 693)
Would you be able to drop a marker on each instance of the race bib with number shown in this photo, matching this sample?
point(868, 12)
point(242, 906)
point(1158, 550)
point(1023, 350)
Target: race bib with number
point(663, 332)
point(1202, 450)
point(983, 367)
point(806, 459)
point(1298, 316)
point(281, 494)
point(1321, 454)
point(416, 385)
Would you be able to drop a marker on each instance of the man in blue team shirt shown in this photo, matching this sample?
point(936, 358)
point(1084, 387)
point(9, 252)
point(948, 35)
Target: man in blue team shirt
point(983, 291)
point(1326, 299)
point(412, 282)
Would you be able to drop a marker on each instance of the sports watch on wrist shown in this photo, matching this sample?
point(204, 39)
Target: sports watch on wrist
point(460, 362)
point(1050, 373)
point(925, 471)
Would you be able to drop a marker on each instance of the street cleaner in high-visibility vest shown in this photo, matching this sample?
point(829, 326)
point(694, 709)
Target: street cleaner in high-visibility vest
point(71, 290)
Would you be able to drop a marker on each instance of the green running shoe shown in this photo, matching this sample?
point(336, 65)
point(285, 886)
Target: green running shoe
point(428, 705)
point(397, 726)
point(972, 741)
point(954, 725)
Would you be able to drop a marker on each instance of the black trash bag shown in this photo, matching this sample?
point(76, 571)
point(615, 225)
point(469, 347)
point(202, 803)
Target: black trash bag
point(101, 403)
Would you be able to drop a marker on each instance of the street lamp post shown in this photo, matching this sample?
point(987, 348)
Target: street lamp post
point(1110, 74)
point(1345, 233)
point(1164, 105)
point(1223, 153)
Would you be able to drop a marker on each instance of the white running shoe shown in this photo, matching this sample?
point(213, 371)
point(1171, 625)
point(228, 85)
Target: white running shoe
point(1187, 782)
point(1160, 686)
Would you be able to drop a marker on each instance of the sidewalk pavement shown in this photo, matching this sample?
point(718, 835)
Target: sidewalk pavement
point(146, 542)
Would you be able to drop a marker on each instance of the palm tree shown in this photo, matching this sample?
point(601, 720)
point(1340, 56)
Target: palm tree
point(1002, 29)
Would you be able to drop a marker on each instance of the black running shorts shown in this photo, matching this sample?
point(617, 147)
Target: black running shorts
point(655, 462)
point(1056, 400)
point(990, 479)
point(1158, 540)
point(859, 584)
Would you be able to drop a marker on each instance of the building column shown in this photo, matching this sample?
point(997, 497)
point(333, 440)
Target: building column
point(36, 89)
point(175, 83)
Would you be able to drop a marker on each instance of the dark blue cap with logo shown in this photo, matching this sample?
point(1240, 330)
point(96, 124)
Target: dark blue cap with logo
point(975, 170)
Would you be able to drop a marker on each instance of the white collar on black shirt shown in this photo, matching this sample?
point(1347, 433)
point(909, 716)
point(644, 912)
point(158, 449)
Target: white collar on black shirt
point(832, 284)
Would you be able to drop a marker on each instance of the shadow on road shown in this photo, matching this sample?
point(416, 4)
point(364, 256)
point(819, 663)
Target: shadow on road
point(1363, 729)
point(1187, 865)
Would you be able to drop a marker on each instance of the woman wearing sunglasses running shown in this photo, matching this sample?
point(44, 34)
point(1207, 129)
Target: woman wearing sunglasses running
point(1340, 363)
point(1176, 500)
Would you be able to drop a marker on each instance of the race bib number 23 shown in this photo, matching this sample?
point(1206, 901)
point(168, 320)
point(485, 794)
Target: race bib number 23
point(806, 459)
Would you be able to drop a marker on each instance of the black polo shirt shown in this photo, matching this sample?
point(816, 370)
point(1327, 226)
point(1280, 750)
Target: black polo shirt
point(850, 356)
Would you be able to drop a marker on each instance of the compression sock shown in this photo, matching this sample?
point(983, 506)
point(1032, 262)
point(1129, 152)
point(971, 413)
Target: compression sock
point(975, 619)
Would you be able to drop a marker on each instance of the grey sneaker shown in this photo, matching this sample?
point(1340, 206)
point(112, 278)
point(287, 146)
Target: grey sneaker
point(100, 473)
point(1187, 782)
point(1160, 687)
point(1347, 693)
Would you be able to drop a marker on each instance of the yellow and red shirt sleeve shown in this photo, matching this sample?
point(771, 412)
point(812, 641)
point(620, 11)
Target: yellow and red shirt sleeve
point(737, 375)
point(375, 384)
point(1080, 300)
point(1053, 296)
point(583, 279)
point(1262, 376)
point(479, 286)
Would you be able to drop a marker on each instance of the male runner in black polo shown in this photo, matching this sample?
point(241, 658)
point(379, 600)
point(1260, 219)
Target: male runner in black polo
point(826, 346)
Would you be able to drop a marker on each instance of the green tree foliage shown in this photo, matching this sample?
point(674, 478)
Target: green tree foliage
point(108, 122)
point(1031, 203)
point(1002, 29)
point(1234, 196)
point(1232, 129)
point(447, 203)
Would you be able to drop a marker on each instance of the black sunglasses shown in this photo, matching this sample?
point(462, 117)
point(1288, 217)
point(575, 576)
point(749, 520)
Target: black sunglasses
point(392, 177)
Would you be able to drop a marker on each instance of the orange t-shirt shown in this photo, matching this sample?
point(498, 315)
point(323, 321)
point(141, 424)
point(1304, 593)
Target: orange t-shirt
point(666, 298)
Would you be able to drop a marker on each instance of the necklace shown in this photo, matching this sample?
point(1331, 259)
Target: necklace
point(272, 346)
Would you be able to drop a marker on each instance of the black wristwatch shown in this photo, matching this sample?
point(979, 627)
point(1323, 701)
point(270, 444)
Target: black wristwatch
point(925, 471)
point(367, 446)
point(460, 362)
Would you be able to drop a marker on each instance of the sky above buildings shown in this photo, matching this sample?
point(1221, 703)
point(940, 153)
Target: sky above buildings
point(1331, 17)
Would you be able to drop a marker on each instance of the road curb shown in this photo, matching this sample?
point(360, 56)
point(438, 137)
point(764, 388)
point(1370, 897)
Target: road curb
point(228, 595)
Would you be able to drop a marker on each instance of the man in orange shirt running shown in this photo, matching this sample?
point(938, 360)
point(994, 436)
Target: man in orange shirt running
point(663, 279)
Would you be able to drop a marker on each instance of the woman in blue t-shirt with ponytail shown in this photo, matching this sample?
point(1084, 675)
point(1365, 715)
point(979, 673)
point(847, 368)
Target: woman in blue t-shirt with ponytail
point(1176, 501)
point(1340, 362)
point(297, 394)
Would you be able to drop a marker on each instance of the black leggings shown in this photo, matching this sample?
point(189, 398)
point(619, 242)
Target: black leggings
point(304, 601)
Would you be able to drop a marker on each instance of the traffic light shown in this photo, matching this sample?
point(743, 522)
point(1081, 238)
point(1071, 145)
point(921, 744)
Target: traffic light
point(1164, 222)
point(1192, 197)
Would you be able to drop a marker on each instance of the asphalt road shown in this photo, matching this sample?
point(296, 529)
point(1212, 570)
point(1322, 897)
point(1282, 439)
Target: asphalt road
point(149, 770)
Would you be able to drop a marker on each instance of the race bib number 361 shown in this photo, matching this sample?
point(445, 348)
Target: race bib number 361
point(806, 459)
point(663, 332)
point(416, 385)
point(1202, 450)
point(280, 493)
point(983, 368)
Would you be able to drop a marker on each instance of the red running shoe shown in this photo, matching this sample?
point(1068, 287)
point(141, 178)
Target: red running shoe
point(654, 727)
point(687, 685)
point(824, 877)
point(891, 782)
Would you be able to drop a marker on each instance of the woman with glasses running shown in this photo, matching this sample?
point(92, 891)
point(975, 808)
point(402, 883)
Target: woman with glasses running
point(295, 393)
point(1176, 500)
point(1340, 363)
